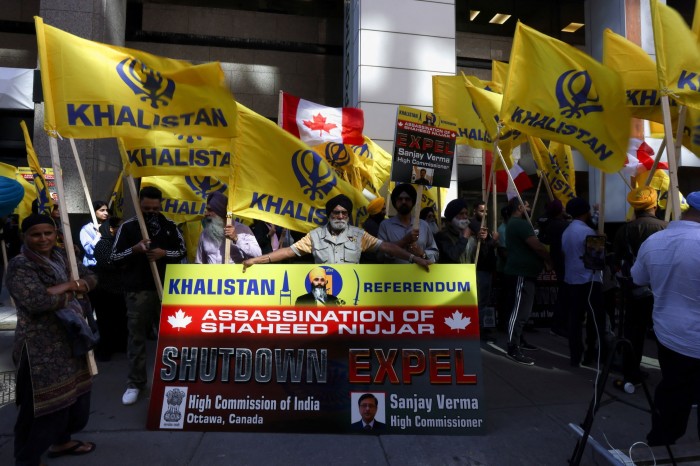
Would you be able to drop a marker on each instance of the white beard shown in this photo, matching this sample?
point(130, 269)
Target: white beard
point(214, 226)
point(339, 225)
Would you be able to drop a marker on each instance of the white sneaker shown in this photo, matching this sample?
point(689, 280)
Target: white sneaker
point(130, 396)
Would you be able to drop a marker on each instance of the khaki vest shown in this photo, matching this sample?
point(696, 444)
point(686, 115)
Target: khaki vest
point(345, 248)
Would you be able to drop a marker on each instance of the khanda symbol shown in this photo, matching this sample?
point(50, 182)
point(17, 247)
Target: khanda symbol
point(146, 83)
point(576, 94)
point(337, 154)
point(203, 186)
point(315, 177)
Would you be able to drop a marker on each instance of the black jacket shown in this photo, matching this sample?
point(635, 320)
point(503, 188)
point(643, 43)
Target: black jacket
point(136, 271)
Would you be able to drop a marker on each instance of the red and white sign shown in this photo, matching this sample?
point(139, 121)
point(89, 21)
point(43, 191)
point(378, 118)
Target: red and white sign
point(316, 124)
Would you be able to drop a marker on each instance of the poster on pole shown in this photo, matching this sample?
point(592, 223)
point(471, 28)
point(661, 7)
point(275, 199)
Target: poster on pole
point(257, 351)
point(26, 173)
point(424, 148)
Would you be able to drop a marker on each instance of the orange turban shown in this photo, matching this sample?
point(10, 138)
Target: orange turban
point(376, 206)
point(642, 198)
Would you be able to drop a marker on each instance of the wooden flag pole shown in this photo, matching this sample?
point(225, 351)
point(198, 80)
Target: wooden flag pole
point(662, 147)
point(487, 192)
point(485, 184)
point(494, 214)
point(679, 142)
point(438, 214)
point(144, 231)
point(84, 183)
point(627, 183)
point(229, 193)
point(672, 161)
point(65, 229)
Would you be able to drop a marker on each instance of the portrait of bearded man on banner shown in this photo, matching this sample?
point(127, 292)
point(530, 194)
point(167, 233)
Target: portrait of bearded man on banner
point(319, 295)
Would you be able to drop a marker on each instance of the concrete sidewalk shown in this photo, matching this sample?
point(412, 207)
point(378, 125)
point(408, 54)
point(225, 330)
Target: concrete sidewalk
point(528, 410)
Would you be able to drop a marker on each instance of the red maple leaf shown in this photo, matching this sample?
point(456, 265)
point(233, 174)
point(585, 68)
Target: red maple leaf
point(319, 123)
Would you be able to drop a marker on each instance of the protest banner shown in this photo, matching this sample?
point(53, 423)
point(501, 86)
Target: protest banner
point(424, 148)
point(241, 352)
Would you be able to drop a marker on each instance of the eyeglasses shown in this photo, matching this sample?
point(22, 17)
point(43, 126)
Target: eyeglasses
point(340, 213)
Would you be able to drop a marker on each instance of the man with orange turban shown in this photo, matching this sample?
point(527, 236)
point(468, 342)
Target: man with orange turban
point(639, 301)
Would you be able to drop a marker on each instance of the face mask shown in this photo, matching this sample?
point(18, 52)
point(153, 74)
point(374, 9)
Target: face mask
point(152, 223)
point(460, 223)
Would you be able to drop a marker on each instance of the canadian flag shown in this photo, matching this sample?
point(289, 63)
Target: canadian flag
point(315, 124)
point(522, 180)
point(640, 158)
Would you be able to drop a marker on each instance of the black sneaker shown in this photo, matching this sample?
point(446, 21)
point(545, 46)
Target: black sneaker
point(520, 358)
point(527, 346)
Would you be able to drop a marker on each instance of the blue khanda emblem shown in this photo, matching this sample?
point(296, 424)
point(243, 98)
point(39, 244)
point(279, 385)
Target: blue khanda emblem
point(315, 177)
point(149, 84)
point(203, 186)
point(362, 151)
point(337, 155)
point(119, 200)
point(576, 94)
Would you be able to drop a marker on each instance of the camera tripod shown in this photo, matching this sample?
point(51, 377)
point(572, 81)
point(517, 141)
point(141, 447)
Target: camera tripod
point(595, 404)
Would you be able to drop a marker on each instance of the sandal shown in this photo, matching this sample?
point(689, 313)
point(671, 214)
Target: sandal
point(74, 450)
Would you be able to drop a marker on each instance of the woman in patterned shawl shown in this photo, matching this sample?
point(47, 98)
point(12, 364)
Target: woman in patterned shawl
point(51, 341)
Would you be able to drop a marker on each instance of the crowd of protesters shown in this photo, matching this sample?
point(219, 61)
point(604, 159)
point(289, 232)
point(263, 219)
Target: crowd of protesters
point(117, 264)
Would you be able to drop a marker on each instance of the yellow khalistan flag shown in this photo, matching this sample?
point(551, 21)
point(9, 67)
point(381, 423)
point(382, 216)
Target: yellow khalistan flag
point(94, 90)
point(691, 130)
point(365, 167)
point(381, 163)
point(160, 153)
point(574, 99)
point(639, 77)
point(116, 199)
point(451, 100)
point(42, 188)
point(677, 55)
point(184, 197)
point(24, 209)
point(488, 107)
point(563, 188)
point(290, 185)
point(499, 73)
point(564, 159)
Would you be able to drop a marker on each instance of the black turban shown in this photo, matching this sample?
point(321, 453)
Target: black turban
point(218, 203)
point(453, 208)
point(339, 200)
point(403, 188)
point(577, 207)
point(36, 219)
